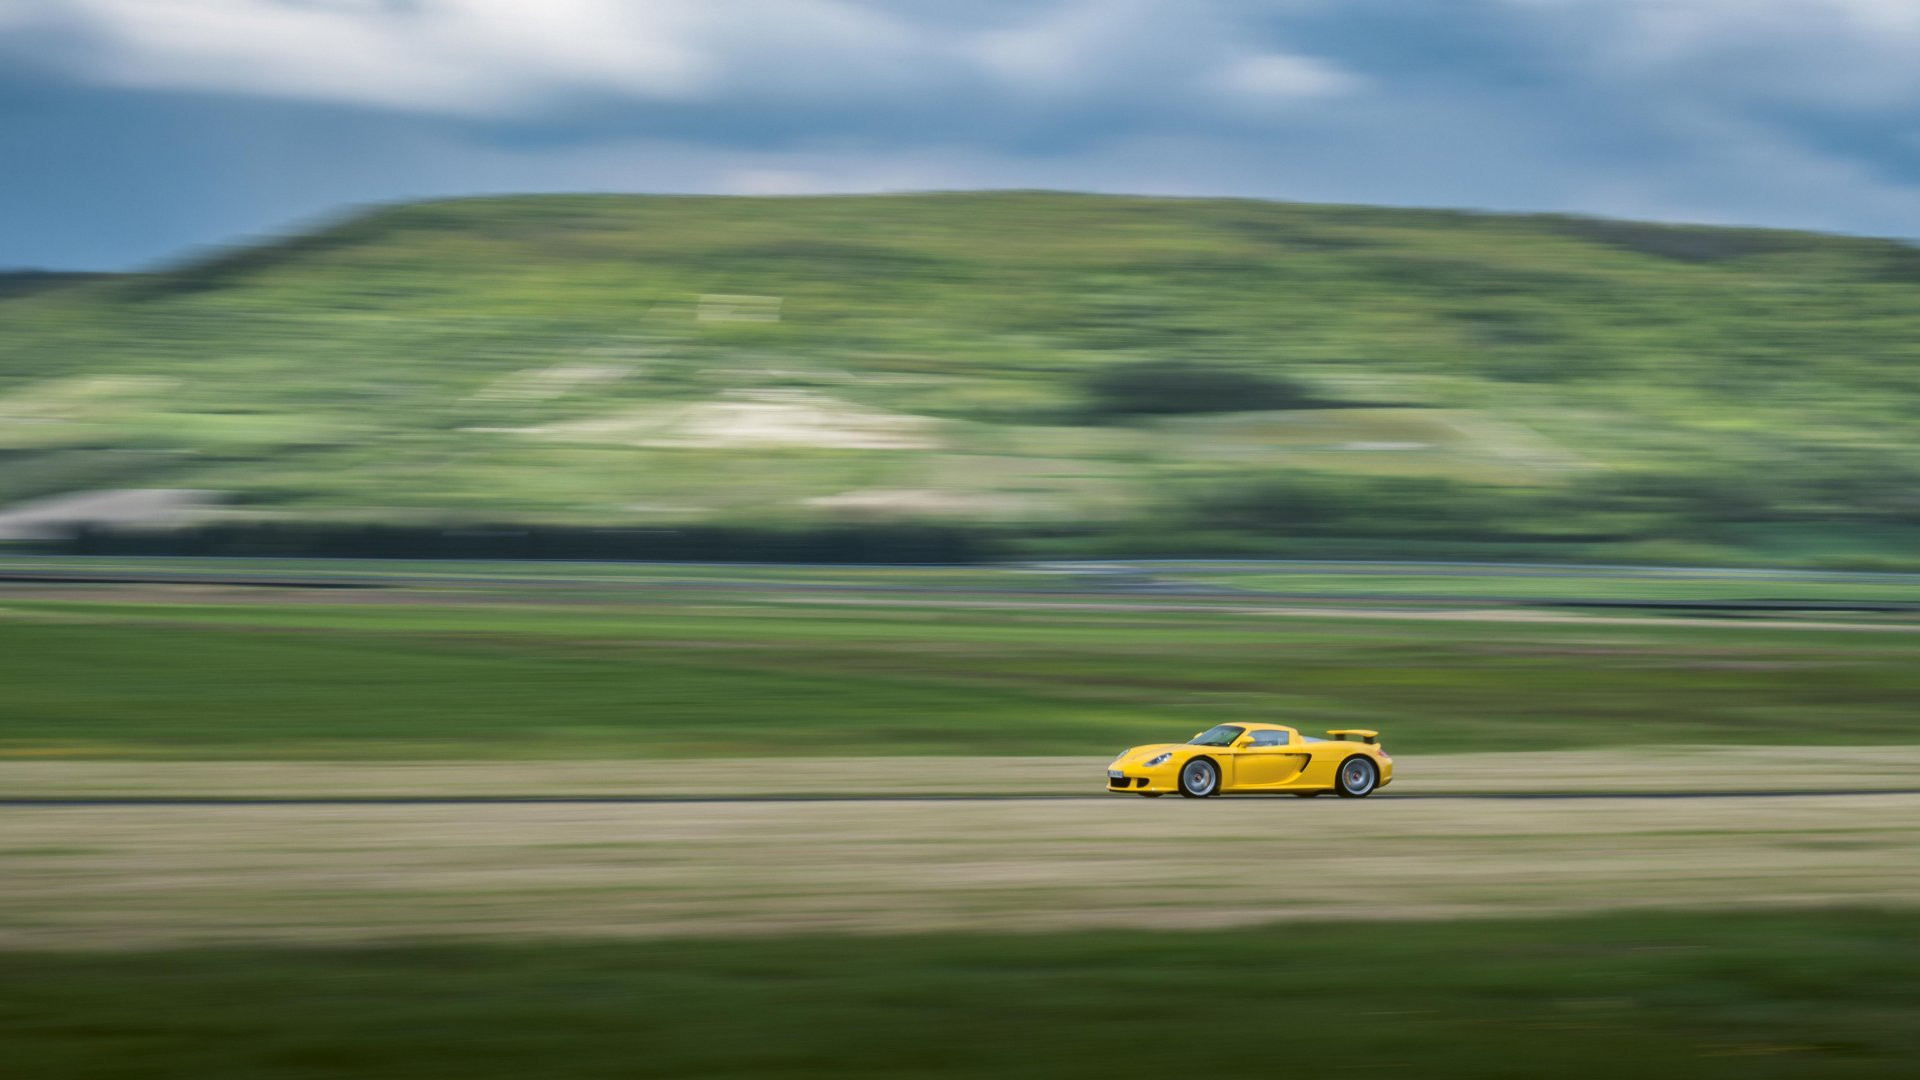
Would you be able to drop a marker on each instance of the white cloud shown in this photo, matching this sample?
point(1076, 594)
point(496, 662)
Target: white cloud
point(1285, 76)
point(1792, 112)
point(1084, 46)
point(459, 56)
point(1052, 54)
point(505, 57)
point(1819, 52)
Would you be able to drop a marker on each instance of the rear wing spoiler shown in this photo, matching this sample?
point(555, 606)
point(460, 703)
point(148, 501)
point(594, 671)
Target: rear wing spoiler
point(1350, 734)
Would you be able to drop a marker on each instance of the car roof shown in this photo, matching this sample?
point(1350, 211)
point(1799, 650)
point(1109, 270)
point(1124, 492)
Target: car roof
point(1264, 727)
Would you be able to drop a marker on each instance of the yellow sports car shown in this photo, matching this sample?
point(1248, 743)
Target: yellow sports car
point(1243, 759)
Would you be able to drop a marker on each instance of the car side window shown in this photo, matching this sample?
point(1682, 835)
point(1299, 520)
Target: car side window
point(1269, 738)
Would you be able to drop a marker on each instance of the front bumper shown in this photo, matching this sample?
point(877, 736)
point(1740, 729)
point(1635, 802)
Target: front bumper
point(1136, 780)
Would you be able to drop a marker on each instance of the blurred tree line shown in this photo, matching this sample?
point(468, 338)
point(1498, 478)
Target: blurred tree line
point(1291, 513)
point(876, 543)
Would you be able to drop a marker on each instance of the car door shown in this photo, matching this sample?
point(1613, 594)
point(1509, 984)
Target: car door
point(1268, 759)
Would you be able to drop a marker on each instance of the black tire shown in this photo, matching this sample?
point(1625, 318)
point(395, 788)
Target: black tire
point(1199, 778)
point(1357, 778)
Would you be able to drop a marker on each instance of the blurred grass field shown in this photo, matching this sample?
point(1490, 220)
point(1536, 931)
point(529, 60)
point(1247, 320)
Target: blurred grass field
point(642, 663)
point(1700, 996)
point(97, 873)
point(1737, 935)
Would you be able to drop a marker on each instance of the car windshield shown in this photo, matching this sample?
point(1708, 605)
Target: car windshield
point(1217, 736)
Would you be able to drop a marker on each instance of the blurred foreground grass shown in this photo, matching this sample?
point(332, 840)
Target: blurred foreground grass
point(1699, 996)
point(191, 874)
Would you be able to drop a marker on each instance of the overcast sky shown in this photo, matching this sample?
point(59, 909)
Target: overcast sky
point(132, 131)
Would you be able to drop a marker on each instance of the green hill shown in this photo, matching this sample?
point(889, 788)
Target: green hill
point(1083, 373)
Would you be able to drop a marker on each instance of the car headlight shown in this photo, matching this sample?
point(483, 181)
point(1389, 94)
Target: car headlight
point(1158, 759)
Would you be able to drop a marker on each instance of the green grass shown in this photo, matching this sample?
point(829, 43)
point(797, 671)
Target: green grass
point(1596, 387)
point(1441, 580)
point(652, 667)
point(1461, 583)
point(1746, 996)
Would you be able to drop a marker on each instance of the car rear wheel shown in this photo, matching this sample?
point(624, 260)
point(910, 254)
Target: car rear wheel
point(1358, 777)
point(1199, 778)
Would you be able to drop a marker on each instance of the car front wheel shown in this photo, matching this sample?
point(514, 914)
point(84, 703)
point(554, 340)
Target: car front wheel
point(1358, 777)
point(1199, 778)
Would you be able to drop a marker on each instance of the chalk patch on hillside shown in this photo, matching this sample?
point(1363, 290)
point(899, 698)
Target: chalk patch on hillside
point(798, 418)
point(753, 419)
point(916, 501)
point(544, 384)
point(59, 515)
point(77, 397)
point(1514, 441)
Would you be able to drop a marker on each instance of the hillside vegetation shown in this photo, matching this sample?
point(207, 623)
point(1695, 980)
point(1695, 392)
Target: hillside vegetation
point(1075, 373)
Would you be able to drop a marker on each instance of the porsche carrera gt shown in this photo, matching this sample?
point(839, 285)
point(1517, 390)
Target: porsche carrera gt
point(1246, 759)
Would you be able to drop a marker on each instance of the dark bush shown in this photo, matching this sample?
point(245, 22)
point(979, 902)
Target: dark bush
point(1685, 243)
point(900, 543)
point(33, 282)
point(1163, 388)
point(1698, 498)
point(1401, 507)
